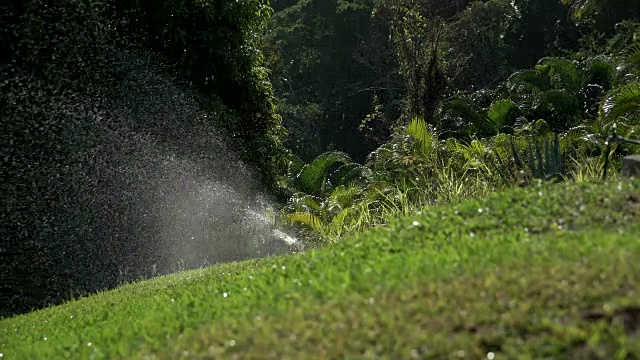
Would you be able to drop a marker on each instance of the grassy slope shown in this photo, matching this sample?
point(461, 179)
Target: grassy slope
point(539, 272)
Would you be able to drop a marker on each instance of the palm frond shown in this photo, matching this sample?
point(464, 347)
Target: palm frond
point(562, 73)
point(312, 178)
point(307, 219)
point(425, 139)
point(301, 202)
point(344, 196)
point(503, 113)
point(463, 110)
point(633, 54)
point(294, 167)
point(621, 101)
point(562, 108)
point(351, 173)
point(599, 71)
point(528, 81)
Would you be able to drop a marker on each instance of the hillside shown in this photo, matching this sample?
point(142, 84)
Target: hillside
point(547, 271)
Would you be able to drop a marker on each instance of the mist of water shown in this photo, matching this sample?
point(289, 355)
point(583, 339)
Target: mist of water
point(187, 210)
point(141, 183)
point(195, 201)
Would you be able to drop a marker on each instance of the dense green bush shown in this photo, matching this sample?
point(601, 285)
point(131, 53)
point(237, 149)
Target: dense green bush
point(214, 44)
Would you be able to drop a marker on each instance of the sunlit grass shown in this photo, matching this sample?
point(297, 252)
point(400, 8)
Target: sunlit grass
point(382, 206)
point(588, 169)
point(546, 271)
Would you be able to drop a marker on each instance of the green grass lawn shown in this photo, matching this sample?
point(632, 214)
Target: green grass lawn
point(550, 271)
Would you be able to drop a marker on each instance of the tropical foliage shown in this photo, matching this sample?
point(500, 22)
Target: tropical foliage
point(545, 122)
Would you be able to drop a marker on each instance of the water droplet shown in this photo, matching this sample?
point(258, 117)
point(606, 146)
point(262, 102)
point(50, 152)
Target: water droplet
point(491, 355)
